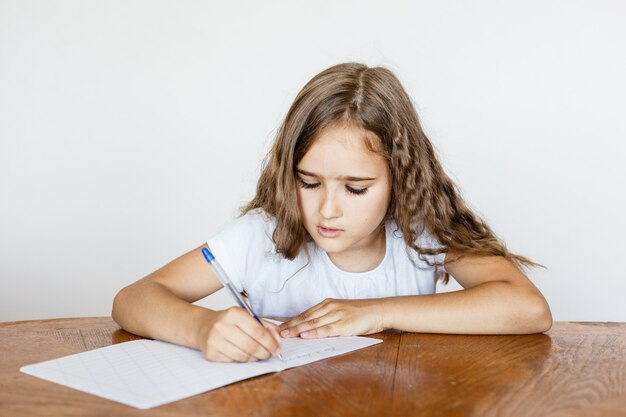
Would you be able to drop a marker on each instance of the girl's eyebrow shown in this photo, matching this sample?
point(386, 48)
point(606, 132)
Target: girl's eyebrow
point(343, 177)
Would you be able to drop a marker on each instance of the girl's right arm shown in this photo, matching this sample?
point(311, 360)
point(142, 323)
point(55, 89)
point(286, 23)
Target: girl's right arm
point(159, 306)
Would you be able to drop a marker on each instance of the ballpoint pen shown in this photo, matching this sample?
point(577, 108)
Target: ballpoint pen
point(223, 277)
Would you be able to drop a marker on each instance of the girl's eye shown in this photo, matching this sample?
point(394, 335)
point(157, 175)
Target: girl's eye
point(307, 185)
point(356, 191)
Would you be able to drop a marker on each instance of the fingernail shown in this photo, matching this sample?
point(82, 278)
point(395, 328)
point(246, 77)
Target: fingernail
point(304, 334)
point(284, 333)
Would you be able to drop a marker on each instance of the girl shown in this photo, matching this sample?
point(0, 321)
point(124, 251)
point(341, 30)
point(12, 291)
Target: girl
point(353, 222)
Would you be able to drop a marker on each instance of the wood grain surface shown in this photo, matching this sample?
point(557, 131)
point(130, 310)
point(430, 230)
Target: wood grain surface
point(575, 369)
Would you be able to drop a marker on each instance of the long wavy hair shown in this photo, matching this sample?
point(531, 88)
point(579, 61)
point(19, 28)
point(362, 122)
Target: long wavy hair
point(423, 195)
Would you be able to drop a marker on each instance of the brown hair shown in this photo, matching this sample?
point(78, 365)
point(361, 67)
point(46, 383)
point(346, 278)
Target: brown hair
point(423, 196)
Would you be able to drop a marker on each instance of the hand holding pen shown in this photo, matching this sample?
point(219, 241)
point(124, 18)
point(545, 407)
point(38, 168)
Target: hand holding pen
point(232, 335)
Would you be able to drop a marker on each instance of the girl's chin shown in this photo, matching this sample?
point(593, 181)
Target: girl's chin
point(330, 245)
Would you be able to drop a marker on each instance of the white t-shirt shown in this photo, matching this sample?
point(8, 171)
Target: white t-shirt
point(279, 287)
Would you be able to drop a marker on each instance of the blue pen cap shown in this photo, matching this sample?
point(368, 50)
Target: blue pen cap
point(207, 255)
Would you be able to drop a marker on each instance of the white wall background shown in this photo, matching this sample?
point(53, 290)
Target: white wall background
point(130, 131)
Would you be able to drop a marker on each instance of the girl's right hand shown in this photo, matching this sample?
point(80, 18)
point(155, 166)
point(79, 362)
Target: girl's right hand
point(233, 335)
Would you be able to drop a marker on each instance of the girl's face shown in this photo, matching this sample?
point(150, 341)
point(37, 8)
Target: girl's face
point(343, 194)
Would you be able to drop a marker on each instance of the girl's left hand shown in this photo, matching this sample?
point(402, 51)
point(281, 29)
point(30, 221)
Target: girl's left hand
point(334, 317)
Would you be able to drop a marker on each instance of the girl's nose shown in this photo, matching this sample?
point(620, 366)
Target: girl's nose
point(330, 208)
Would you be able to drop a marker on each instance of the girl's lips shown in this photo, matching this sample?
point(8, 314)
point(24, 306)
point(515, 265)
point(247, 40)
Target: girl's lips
point(325, 232)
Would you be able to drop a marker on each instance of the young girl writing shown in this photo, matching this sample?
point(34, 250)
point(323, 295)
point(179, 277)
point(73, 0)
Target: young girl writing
point(353, 222)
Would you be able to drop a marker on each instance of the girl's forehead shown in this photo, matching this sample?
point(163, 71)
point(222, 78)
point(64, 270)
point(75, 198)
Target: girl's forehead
point(349, 138)
point(342, 151)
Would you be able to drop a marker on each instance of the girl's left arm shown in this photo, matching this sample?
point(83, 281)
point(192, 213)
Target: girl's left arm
point(497, 299)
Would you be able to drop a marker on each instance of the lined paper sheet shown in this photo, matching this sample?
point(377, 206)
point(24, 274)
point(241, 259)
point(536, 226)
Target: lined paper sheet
point(148, 373)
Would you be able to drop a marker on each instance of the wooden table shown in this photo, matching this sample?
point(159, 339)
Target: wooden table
point(576, 369)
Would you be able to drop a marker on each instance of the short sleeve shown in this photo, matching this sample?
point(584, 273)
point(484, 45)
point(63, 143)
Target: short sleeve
point(242, 244)
point(428, 240)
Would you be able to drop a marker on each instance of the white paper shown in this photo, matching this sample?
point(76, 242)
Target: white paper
point(148, 373)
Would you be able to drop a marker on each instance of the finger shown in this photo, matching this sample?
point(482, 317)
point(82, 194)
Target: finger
point(262, 334)
point(218, 357)
point(273, 328)
point(303, 316)
point(270, 326)
point(248, 345)
point(225, 351)
point(288, 329)
point(269, 322)
point(252, 334)
point(326, 330)
point(237, 353)
point(311, 325)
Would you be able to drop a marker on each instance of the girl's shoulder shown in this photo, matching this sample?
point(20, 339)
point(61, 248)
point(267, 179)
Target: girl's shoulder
point(257, 219)
point(425, 240)
point(254, 227)
point(243, 243)
point(259, 214)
